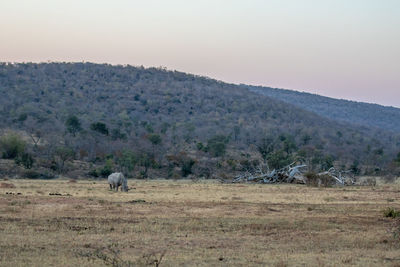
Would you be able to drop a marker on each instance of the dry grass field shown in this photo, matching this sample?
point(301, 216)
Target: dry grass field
point(187, 223)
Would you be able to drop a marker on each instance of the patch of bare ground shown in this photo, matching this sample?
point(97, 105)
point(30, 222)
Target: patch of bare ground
point(6, 185)
point(170, 223)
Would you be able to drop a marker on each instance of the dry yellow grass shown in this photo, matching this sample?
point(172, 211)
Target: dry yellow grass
point(203, 224)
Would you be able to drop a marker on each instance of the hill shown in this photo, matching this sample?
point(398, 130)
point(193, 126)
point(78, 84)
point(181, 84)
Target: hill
point(371, 115)
point(154, 122)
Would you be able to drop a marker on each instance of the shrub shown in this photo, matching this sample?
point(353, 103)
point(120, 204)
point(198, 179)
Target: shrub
point(47, 175)
point(217, 145)
point(26, 160)
point(32, 174)
point(107, 169)
point(117, 134)
point(370, 181)
point(73, 125)
point(312, 179)
point(99, 127)
point(278, 159)
point(391, 213)
point(127, 161)
point(12, 146)
point(155, 139)
point(326, 180)
point(187, 165)
point(93, 173)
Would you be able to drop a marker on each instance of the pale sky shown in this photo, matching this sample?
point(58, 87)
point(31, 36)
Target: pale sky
point(340, 48)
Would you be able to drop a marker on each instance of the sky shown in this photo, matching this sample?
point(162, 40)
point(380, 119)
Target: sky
point(347, 49)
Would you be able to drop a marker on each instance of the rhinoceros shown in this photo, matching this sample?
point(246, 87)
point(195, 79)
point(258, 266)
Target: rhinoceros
point(117, 179)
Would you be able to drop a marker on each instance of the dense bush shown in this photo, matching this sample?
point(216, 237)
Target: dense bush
point(217, 145)
point(187, 166)
point(26, 160)
point(314, 179)
point(99, 127)
point(11, 146)
point(107, 169)
point(31, 174)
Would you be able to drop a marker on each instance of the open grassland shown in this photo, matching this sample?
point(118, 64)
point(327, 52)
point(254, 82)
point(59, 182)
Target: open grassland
point(196, 223)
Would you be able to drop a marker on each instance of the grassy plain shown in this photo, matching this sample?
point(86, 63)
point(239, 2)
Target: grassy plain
point(59, 222)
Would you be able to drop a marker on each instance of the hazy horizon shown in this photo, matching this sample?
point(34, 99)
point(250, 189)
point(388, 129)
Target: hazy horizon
point(341, 49)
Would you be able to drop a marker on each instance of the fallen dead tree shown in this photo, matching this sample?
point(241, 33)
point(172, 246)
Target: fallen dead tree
point(340, 177)
point(288, 174)
point(294, 174)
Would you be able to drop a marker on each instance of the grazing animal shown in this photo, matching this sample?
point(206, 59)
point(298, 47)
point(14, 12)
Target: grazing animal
point(117, 179)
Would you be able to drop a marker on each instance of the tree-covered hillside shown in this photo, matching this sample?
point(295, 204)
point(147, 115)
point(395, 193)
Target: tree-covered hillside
point(371, 115)
point(150, 121)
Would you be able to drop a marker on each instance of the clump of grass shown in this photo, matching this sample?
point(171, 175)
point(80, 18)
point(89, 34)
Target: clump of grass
point(391, 213)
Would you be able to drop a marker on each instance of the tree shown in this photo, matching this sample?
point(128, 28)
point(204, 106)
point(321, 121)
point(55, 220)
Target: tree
point(217, 145)
point(117, 134)
point(107, 168)
point(73, 125)
point(265, 147)
point(99, 127)
point(12, 146)
point(146, 161)
point(26, 160)
point(279, 159)
point(127, 161)
point(187, 165)
point(397, 160)
point(155, 139)
point(62, 155)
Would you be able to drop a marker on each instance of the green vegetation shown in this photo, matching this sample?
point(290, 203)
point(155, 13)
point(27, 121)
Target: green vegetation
point(99, 127)
point(12, 146)
point(73, 125)
point(391, 213)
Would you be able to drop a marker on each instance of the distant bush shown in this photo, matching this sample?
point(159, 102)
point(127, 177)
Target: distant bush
point(155, 139)
point(107, 169)
point(326, 180)
point(12, 146)
point(25, 160)
point(99, 127)
point(31, 174)
point(93, 173)
point(279, 159)
point(314, 179)
point(370, 181)
point(73, 125)
point(217, 145)
point(187, 165)
point(117, 134)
